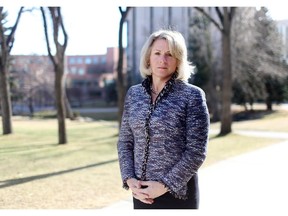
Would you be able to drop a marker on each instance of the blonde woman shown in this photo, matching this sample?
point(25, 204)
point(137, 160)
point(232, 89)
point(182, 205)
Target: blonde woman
point(164, 129)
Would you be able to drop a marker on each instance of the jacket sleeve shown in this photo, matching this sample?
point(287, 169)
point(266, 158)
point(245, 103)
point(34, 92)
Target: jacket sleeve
point(197, 128)
point(125, 145)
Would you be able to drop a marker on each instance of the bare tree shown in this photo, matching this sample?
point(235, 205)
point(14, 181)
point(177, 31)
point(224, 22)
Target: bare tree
point(203, 49)
point(246, 78)
point(35, 81)
point(256, 57)
point(121, 82)
point(58, 61)
point(6, 42)
point(224, 25)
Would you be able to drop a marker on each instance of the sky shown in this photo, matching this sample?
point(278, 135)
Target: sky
point(91, 29)
point(278, 12)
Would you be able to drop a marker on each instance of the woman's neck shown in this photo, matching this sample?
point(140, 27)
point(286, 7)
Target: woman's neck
point(157, 84)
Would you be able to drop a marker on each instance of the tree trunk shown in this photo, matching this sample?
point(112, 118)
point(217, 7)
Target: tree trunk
point(120, 76)
point(58, 62)
point(226, 91)
point(269, 96)
point(6, 108)
point(68, 109)
point(225, 18)
point(268, 103)
point(121, 82)
point(31, 106)
point(60, 104)
point(6, 44)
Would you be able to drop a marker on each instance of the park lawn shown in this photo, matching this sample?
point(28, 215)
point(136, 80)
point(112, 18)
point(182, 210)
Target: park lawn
point(274, 121)
point(260, 120)
point(36, 141)
point(38, 173)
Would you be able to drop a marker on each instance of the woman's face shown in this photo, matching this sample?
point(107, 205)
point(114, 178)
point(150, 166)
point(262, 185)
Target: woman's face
point(162, 63)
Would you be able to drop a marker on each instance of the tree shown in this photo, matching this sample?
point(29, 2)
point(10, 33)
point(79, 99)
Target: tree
point(247, 85)
point(58, 62)
point(6, 42)
point(121, 82)
point(256, 55)
point(31, 83)
point(203, 51)
point(224, 25)
point(272, 68)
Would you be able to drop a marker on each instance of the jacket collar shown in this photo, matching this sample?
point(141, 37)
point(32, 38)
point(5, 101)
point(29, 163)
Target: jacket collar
point(147, 82)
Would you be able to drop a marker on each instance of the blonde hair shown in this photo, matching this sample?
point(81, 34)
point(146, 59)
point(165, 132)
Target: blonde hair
point(178, 49)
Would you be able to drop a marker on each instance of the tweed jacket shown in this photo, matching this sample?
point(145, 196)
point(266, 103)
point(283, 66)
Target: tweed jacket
point(165, 141)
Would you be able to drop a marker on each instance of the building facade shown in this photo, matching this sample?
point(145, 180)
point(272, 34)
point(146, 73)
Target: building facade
point(87, 78)
point(32, 81)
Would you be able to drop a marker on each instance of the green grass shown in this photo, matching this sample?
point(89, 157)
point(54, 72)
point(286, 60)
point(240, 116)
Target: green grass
point(96, 116)
point(34, 143)
point(112, 116)
point(271, 121)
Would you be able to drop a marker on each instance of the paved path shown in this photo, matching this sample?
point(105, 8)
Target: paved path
point(253, 182)
point(256, 181)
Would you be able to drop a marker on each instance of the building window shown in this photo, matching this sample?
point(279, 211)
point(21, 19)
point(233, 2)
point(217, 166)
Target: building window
point(79, 60)
point(88, 60)
point(103, 60)
point(72, 60)
point(73, 70)
point(81, 71)
point(95, 60)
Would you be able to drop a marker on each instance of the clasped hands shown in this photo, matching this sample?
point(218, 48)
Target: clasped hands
point(146, 191)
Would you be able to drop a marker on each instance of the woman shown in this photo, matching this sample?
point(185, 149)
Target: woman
point(164, 129)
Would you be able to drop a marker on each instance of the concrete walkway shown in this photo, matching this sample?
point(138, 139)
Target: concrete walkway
point(254, 182)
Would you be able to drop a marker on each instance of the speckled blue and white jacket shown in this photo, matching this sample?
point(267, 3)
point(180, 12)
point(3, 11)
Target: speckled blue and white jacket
point(165, 141)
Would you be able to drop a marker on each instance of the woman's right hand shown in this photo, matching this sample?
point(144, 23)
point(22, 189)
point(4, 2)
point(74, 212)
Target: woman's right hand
point(137, 192)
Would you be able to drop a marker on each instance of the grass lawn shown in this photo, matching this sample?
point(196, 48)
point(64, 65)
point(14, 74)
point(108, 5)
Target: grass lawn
point(38, 173)
point(259, 119)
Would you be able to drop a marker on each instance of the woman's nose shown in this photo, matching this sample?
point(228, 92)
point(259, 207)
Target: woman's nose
point(163, 59)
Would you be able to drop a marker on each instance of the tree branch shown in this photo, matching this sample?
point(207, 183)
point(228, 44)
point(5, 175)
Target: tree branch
point(46, 36)
point(11, 36)
point(200, 9)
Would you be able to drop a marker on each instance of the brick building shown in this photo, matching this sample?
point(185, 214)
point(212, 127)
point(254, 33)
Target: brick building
point(87, 76)
point(86, 79)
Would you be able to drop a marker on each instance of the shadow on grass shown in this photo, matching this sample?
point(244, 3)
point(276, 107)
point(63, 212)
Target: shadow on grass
point(12, 182)
point(251, 115)
point(15, 149)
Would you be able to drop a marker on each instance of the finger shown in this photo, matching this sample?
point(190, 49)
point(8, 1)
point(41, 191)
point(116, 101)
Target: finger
point(145, 183)
point(139, 195)
point(138, 184)
point(147, 201)
point(144, 200)
point(140, 191)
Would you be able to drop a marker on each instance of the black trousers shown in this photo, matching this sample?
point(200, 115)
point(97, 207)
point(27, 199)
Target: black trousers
point(168, 201)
